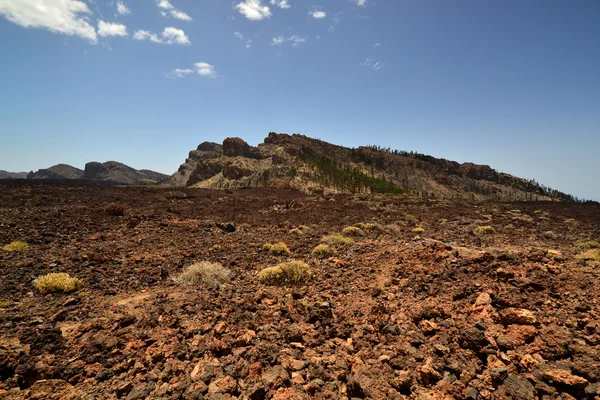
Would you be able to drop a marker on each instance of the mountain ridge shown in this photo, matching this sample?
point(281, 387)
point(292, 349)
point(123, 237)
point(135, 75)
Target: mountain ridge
point(315, 166)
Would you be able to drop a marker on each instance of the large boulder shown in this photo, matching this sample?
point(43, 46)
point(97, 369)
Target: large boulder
point(233, 147)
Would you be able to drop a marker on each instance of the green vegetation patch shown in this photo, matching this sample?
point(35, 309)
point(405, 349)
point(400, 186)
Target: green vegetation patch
point(593, 255)
point(333, 240)
point(353, 231)
point(418, 230)
point(277, 249)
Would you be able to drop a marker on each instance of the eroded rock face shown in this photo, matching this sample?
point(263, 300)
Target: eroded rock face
point(235, 146)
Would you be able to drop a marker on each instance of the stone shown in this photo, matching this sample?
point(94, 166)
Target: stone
point(499, 374)
point(564, 377)
point(122, 388)
point(141, 391)
point(516, 388)
point(223, 384)
point(402, 381)
point(483, 300)
point(504, 275)
point(519, 316)
point(276, 376)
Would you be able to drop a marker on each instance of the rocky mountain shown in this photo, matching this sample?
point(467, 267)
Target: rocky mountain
point(110, 171)
point(12, 175)
point(59, 171)
point(314, 166)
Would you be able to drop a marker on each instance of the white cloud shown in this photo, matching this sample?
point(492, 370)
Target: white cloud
point(173, 35)
point(68, 17)
point(205, 69)
point(374, 64)
point(179, 73)
point(169, 35)
point(295, 40)
point(111, 29)
point(335, 21)
point(164, 4)
point(318, 14)
point(122, 8)
point(253, 10)
point(240, 36)
point(168, 9)
point(201, 68)
point(360, 3)
point(180, 15)
point(281, 3)
point(377, 44)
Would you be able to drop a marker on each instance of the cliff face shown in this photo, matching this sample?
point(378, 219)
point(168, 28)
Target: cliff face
point(312, 165)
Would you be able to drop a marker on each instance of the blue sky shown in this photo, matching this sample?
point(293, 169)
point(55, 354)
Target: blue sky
point(514, 84)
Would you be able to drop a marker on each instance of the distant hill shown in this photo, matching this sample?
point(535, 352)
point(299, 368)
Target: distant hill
point(314, 166)
point(12, 175)
point(59, 171)
point(110, 171)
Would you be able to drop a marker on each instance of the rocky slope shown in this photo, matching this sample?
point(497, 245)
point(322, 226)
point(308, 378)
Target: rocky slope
point(314, 166)
point(110, 171)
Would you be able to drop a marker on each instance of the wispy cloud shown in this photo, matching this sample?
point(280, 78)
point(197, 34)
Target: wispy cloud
point(318, 14)
point(253, 10)
point(247, 42)
point(201, 68)
point(169, 35)
point(281, 3)
point(373, 64)
point(106, 29)
point(377, 44)
point(335, 21)
point(295, 40)
point(360, 3)
point(168, 10)
point(68, 17)
point(122, 8)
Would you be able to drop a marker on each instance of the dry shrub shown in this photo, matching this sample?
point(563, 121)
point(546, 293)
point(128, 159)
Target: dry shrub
point(114, 209)
point(296, 231)
point(392, 228)
point(484, 230)
point(570, 222)
point(293, 272)
point(549, 235)
point(352, 231)
point(17, 245)
point(323, 251)
point(57, 283)
point(204, 272)
point(368, 226)
point(411, 219)
point(418, 230)
point(333, 240)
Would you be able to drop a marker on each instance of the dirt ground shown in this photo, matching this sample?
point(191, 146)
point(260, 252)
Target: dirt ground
point(440, 314)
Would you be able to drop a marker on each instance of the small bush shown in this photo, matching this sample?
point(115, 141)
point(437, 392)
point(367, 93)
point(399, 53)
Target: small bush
point(392, 228)
point(292, 272)
point(57, 283)
point(443, 220)
point(352, 231)
point(549, 235)
point(587, 244)
point(296, 231)
point(523, 218)
point(484, 230)
point(267, 247)
point(323, 251)
point(204, 272)
point(368, 226)
point(570, 222)
point(17, 245)
point(418, 230)
point(115, 210)
point(280, 249)
point(593, 255)
point(411, 219)
point(332, 240)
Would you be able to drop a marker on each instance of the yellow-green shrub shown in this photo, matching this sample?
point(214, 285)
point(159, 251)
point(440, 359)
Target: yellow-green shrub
point(292, 272)
point(323, 251)
point(56, 283)
point(17, 245)
point(280, 249)
point(484, 230)
point(418, 230)
point(332, 240)
point(593, 254)
point(352, 231)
